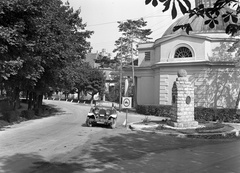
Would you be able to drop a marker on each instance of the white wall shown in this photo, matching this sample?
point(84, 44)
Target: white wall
point(145, 93)
point(196, 45)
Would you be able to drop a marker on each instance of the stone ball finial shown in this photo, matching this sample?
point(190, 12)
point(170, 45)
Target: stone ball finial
point(182, 73)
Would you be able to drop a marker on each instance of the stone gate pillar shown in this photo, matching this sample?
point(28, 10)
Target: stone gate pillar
point(183, 102)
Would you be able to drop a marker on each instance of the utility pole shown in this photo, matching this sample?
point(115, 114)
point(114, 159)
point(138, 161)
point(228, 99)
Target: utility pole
point(133, 73)
point(120, 85)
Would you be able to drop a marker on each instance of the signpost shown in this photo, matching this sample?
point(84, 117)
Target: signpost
point(126, 104)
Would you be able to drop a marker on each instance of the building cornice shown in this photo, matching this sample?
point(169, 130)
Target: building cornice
point(193, 63)
point(230, 64)
point(159, 41)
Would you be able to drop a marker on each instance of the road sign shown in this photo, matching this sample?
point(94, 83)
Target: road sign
point(127, 102)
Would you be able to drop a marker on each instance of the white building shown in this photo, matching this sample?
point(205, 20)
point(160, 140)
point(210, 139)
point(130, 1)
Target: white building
point(202, 53)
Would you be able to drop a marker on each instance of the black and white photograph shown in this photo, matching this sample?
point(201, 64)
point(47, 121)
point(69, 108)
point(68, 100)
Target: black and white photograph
point(119, 86)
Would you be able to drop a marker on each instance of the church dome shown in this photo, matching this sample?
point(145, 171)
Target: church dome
point(197, 24)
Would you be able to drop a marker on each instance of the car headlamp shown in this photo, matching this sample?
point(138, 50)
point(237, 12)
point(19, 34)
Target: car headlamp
point(108, 112)
point(96, 111)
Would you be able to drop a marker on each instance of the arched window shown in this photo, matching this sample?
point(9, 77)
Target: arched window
point(183, 52)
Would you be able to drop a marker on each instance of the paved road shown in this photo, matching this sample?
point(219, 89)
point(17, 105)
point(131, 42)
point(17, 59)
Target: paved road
point(61, 144)
point(42, 140)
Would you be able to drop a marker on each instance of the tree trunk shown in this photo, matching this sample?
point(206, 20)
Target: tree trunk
point(27, 95)
point(30, 101)
point(34, 100)
point(16, 99)
point(78, 94)
point(237, 103)
point(39, 104)
point(92, 99)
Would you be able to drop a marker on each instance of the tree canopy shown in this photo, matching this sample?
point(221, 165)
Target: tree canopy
point(38, 39)
point(132, 34)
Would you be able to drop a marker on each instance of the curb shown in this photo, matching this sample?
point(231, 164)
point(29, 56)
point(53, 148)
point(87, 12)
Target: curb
point(142, 128)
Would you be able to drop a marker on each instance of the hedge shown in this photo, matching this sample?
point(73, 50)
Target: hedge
point(28, 114)
point(11, 116)
point(211, 114)
point(200, 113)
point(160, 110)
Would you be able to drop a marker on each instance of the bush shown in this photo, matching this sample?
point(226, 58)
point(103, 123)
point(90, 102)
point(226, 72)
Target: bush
point(210, 114)
point(11, 116)
point(200, 113)
point(112, 96)
point(28, 114)
point(206, 114)
point(5, 106)
point(157, 110)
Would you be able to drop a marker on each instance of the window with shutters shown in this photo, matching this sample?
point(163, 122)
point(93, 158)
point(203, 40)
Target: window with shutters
point(147, 56)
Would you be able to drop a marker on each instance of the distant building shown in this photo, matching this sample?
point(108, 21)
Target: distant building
point(91, 57)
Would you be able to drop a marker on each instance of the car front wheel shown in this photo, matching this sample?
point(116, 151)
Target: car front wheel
point(89, 122)
point(113, 123)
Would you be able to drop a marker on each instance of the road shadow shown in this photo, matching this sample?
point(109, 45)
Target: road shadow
point(18, 163)
point(108, 152)
point(33, 163)
point(48, 110)
point(97, 126)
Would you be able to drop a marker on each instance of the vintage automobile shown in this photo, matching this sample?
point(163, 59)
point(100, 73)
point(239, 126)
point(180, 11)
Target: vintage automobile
point(102, 115)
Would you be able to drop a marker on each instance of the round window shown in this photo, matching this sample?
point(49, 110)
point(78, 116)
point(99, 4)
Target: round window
point(183, 52)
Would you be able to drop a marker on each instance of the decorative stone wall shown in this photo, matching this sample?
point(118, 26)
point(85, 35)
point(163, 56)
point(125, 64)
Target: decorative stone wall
point(183, 102)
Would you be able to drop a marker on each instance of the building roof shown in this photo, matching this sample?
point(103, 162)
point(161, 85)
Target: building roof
point(198, 24)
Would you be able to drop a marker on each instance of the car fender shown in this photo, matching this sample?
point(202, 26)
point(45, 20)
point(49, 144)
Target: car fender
point(91, 115)
point(113, 116)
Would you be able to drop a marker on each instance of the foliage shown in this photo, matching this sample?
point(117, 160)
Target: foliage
point(221, 53)
point(107, 62)
point(200, 113)
point(80, 76)
point(132, 33)
point(211, 13)
point(113, 95)
point(82, 71)
point(96, 82)
point(28, 114)
point(11, 116)
point(38, 38)
point(158, 110)
point(126, 46)
point(208, 114)
point(146, 120)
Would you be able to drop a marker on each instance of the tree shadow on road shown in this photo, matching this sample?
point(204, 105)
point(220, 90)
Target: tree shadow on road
point(33, 163)
point(108, 152)
point(18, 162)
point(112, 151)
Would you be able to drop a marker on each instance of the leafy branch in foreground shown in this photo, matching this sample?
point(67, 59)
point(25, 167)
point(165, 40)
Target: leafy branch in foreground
point(211, 14)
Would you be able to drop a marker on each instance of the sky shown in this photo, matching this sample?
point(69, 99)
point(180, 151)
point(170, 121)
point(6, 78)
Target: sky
point(101, 16)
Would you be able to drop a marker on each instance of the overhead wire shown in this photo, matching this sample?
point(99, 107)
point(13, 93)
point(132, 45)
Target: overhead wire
point(106, 23)
point(151, 15)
